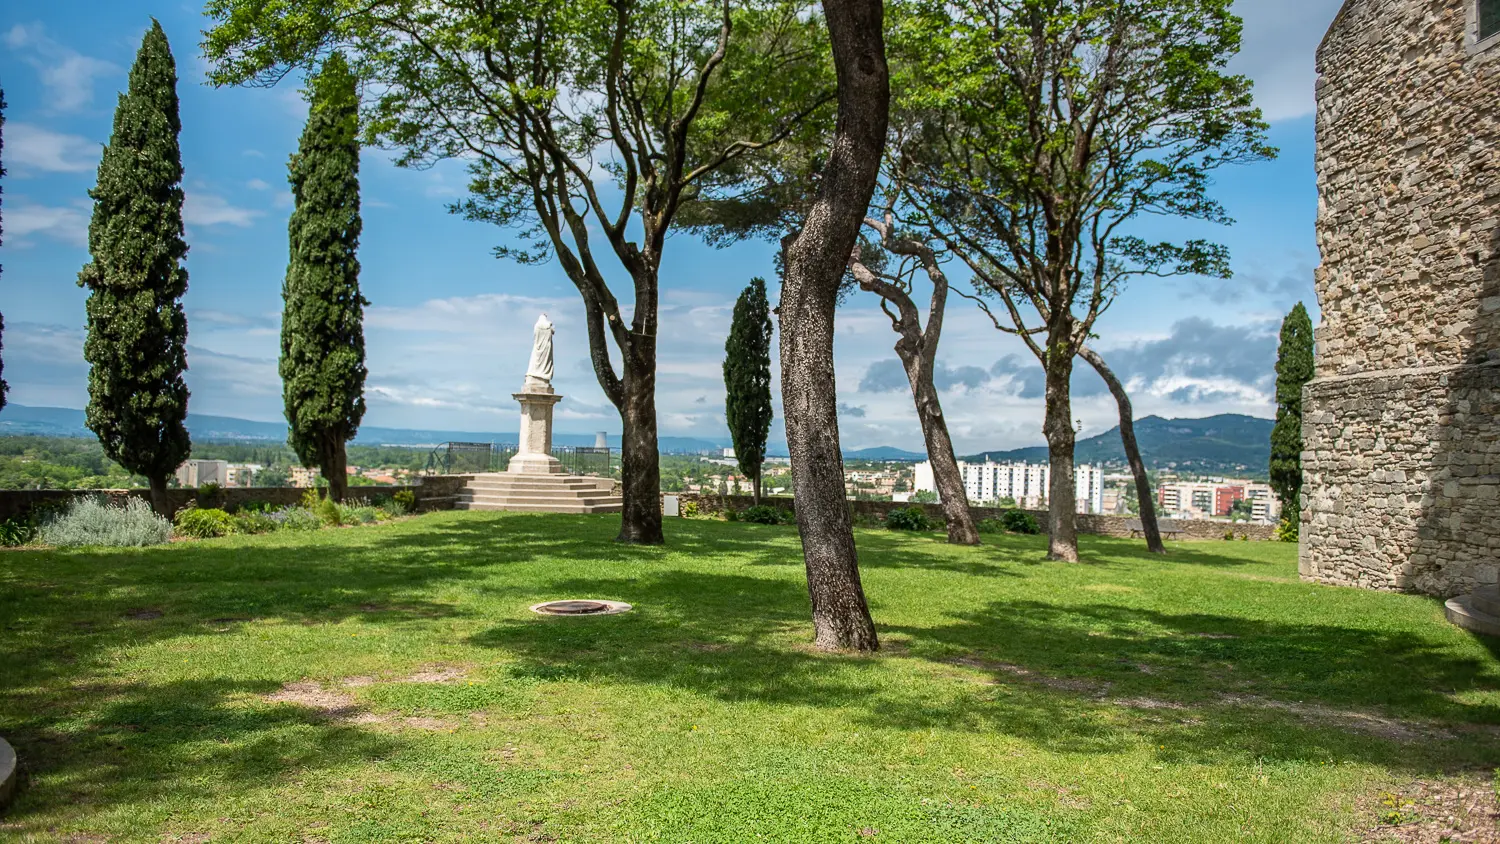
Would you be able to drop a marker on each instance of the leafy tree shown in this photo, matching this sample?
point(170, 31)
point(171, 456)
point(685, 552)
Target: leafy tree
point(552, 103)
point(4, 388)
point(1294, 368)
point(1053, 125)
point(1144, 504)
point(816, 260)
point(924, 496)
point(322, 326)
point(136, 326)
point(747, 380)
point(276, 476)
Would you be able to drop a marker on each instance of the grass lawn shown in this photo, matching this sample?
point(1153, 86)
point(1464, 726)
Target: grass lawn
point(389, 684)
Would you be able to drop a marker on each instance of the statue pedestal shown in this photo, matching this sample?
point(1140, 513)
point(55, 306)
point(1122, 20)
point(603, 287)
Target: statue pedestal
point(534, 455)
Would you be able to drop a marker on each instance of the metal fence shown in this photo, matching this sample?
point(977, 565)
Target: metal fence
point(456, 458)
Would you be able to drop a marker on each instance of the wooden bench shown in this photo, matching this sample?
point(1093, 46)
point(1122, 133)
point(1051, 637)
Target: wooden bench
point(1167, 528)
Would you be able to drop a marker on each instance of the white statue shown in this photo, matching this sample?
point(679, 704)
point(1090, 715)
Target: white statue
point(540, 367)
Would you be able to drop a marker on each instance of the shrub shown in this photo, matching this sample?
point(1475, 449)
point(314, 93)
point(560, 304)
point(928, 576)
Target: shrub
point(94, 521)
point(392, 508)
point(1286, 531)
point(296, 518)
point(202, 523)
point(256, 507)
point(1229, 535)
point(209, 492)
point(908, 518)
point(254, 521)
point(689, 510)
point(17, 531)
point(328, 510)
point(763, 514)
point(311, 499)
point(359, 514)
point(1020, 521)
point(405, 499)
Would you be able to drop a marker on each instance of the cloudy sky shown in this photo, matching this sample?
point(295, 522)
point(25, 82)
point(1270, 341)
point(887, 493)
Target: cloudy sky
point(449, 326)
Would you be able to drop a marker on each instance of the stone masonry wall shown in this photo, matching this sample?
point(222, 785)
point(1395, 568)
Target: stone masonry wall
point(1401, 433)
point(1098, 525)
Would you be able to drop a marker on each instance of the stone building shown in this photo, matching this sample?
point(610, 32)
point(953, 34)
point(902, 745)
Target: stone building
point(1402, 423)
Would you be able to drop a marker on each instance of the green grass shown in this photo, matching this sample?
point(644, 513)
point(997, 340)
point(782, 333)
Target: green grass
point(1206, 697)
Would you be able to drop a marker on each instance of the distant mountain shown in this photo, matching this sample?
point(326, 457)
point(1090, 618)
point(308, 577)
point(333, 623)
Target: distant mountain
point(1226, 444)
point(884, 452)
point(17, 419)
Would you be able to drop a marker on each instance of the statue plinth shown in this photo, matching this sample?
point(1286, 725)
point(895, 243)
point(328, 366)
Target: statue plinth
point(534, 455)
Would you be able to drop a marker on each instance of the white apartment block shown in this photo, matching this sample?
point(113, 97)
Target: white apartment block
point(196, 473)
point(1024, 482)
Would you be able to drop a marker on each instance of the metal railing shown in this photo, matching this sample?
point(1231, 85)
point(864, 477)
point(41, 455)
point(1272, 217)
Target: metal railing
point(458, 458)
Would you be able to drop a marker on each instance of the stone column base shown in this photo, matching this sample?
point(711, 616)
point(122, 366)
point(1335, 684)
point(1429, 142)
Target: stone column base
point(534, 464)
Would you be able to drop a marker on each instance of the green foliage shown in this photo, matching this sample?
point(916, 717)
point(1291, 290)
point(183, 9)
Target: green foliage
point(329, 511)
point(1294, 368)
point(909, 518)
point(322, 324)
point(1011, 521)
point(296, 518)
point(747, 379)
point(689, 509)
point(360, 514)
point(1288, 530)
point(136, 326)
point(95, 521)
point(406, 499)
point(201, 523)
point(924, 496)
point(763, 514)
point(30, 462)
point(274, 476)
point(254, 521)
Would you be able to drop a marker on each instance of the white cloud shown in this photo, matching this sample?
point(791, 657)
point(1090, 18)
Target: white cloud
point(67, 74)
point(65, 224)
point(257, 184)
point(206, 209)
point(32, 148)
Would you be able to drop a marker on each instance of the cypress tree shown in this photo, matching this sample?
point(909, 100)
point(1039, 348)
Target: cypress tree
point(1294, 368)
point(4, 388)
point(322, 324)
point(136, 326)
point(747, 380)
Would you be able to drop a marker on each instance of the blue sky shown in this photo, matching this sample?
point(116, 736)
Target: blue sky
point(449, 325)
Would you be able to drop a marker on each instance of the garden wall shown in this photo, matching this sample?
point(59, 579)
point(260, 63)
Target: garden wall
point(1099, 525)
point(433, 493)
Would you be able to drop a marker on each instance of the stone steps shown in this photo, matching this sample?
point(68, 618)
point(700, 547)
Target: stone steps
point(530, 493)
point(1478, 612)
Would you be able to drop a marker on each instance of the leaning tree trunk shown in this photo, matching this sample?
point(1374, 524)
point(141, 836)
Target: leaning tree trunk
point(1062, 542)
point(640, 462)
point(816, 260)
point(952, 496)
point(159, 495)
point(1132, 451)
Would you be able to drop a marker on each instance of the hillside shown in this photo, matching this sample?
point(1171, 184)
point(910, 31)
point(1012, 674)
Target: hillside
point(883, 452)
point(1227, 444)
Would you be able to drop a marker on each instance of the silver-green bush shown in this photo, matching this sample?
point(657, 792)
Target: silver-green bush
point(95, 521)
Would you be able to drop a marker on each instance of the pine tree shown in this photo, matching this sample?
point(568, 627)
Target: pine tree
point(747, 380)
point(1294, 368)
point(4, 388)
point(322, 325)
point(136, 326)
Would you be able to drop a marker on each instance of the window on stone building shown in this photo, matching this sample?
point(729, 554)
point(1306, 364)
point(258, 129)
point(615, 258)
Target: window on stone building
point(1489, 18)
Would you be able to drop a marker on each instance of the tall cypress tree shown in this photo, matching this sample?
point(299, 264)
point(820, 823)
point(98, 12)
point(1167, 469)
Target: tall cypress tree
point(322, 325)
point(4, 388)
point(136, 326)
point(1294, 368)
point(747, 380)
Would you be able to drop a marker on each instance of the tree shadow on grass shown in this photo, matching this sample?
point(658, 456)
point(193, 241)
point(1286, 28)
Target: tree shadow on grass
point(1202, 687)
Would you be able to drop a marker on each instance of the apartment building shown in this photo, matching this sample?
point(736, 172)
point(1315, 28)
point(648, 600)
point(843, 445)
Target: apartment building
point(1026, 483)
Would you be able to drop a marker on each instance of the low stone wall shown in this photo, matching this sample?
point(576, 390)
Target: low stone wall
point(433, 493)
point(1099, 525)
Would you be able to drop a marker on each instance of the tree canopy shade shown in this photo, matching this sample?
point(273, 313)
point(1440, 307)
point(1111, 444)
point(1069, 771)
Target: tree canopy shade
point(551, 102)
point(747, 380)
point(322, 324)
point(1049, 128)
point(1294, 368)
point(136, 326)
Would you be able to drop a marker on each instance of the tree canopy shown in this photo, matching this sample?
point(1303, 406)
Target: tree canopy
point(747, 380)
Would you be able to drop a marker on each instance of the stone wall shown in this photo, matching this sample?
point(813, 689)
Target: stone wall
point(1098, 525)
point(434, 493)
point(1401, 432)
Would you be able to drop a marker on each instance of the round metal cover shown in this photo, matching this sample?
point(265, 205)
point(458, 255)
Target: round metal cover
point(580, 607)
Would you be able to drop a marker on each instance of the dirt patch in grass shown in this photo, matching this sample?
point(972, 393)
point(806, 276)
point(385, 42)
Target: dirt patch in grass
point(1461, 811)
point(143, 615)
point(437, 674)
point(1027, 675)
point(327, 703)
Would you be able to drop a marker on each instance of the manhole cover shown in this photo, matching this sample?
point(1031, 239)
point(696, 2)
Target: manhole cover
point(580, 607)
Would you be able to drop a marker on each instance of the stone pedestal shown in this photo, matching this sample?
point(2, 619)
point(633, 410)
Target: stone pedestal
point(534, 456)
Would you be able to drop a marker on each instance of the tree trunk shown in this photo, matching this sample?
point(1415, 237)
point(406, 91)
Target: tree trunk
point(760, 470)
point(335, 465)
point(1132, 451)
point(816, 261)
point(952, 496)
point(159, 495)
point(640, 462)
point(1062, 541)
